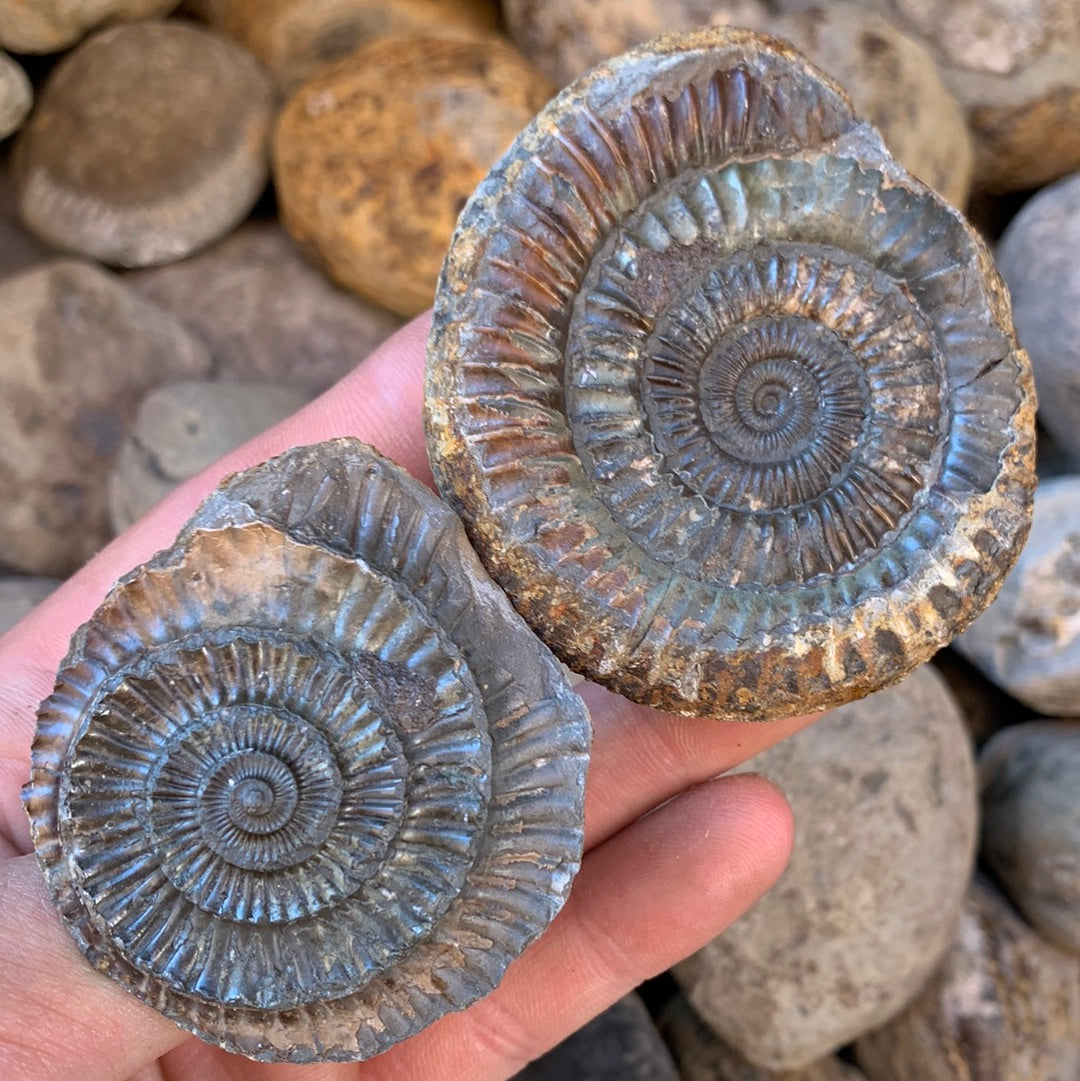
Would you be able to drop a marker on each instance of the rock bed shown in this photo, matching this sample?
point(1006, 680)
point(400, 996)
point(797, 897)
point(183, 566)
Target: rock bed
point(154, 312)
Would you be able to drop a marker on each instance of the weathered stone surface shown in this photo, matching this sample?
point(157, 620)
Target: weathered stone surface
point(1029, 777)
point(1039, 258)
point(46, 26)
point(1016, 69)
point(19, 248)
point(621, 1044)
point(265, 313)
point(80, 350)
point(148, 142)
point(375, 157)
point(892, 79)
point(883, 792)
point(19, 595)
point(16, 95)
point(184, 427)
point(293, 39)
point(1028, 640)
point(1004, 1006)
point(702, 1056)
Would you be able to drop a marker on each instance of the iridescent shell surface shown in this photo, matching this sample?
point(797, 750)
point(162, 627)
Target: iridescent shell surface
point(731, 405)
point(307, 782)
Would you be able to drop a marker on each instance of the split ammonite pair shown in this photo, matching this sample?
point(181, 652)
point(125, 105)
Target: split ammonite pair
point(731, 408)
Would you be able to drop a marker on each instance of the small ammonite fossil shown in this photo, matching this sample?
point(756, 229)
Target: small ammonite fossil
point(307, 782)
point(731, 405)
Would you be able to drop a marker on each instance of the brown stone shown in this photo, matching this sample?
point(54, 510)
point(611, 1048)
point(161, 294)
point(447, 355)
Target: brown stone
point(892, 79)
point(883, 792)
point(1003, 1006)
point(148, 142)
point(80, 351)
point(46, 26)
point(293, 39)
point(265, 313)
point(375, 157)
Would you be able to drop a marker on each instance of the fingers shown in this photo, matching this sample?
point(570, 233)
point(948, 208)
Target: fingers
point(647, 897)
point(642, 757)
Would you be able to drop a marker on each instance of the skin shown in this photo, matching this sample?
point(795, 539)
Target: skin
point(674, 852)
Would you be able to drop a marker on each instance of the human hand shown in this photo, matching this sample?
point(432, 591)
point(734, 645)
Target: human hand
point(673, 854)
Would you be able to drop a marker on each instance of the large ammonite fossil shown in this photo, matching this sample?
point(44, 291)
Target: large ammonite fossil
point(307, 782)
point(731, 405)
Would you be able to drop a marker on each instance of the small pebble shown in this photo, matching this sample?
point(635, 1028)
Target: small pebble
point(148, 142)
point(80, 350)
point(702, 1056)
point(1030, 780)
point(16, 96)
point(20, 595)
point(47, 26)
point(1003, 1006)
point(375, 157)
point(621, 1044)
point(891, 78)
point(883, 792)
point(19, 249)
point(1039, 258)
point(294, 39)
point(265, 314)
point(1028, 640)
point(182, 428)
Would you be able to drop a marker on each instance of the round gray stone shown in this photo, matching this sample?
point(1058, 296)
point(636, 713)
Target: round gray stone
point(80, 350)
point(1028, 640)
point(1030, 780)
point(265, 313)
point(1003, 1006)
point(883, 791)
point(1039, 258)
point(182, 428)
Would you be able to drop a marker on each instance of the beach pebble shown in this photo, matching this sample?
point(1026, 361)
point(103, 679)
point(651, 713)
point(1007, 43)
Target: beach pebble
point(148, 142)
point(1029, 778)
point(375, 157)
point(182, 428)
point(21, 594)
point(47, 26)
point(16, 96)
point(80, 350)
point(1004, 1006)
point(1028, 640)
point(883, 792)
point(265, 313)
point(1039, 258)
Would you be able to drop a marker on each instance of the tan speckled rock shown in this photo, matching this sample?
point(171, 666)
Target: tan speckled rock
point(1028, 640)
point(1004, 1006)
point(883, 791)
point(16, 96)
point(1029, 777)
point(891, 78)
point(702, 1056)
point(375, 157)
point(1016, 69)
point(182, 428)
point(148, 142)
point(80, 350)
point(46, 26)
point(265, 313)
point(295, 38)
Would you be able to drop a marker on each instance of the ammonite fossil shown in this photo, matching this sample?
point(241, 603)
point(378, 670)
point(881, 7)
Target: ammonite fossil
point(731, 405)
point(307, 782)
